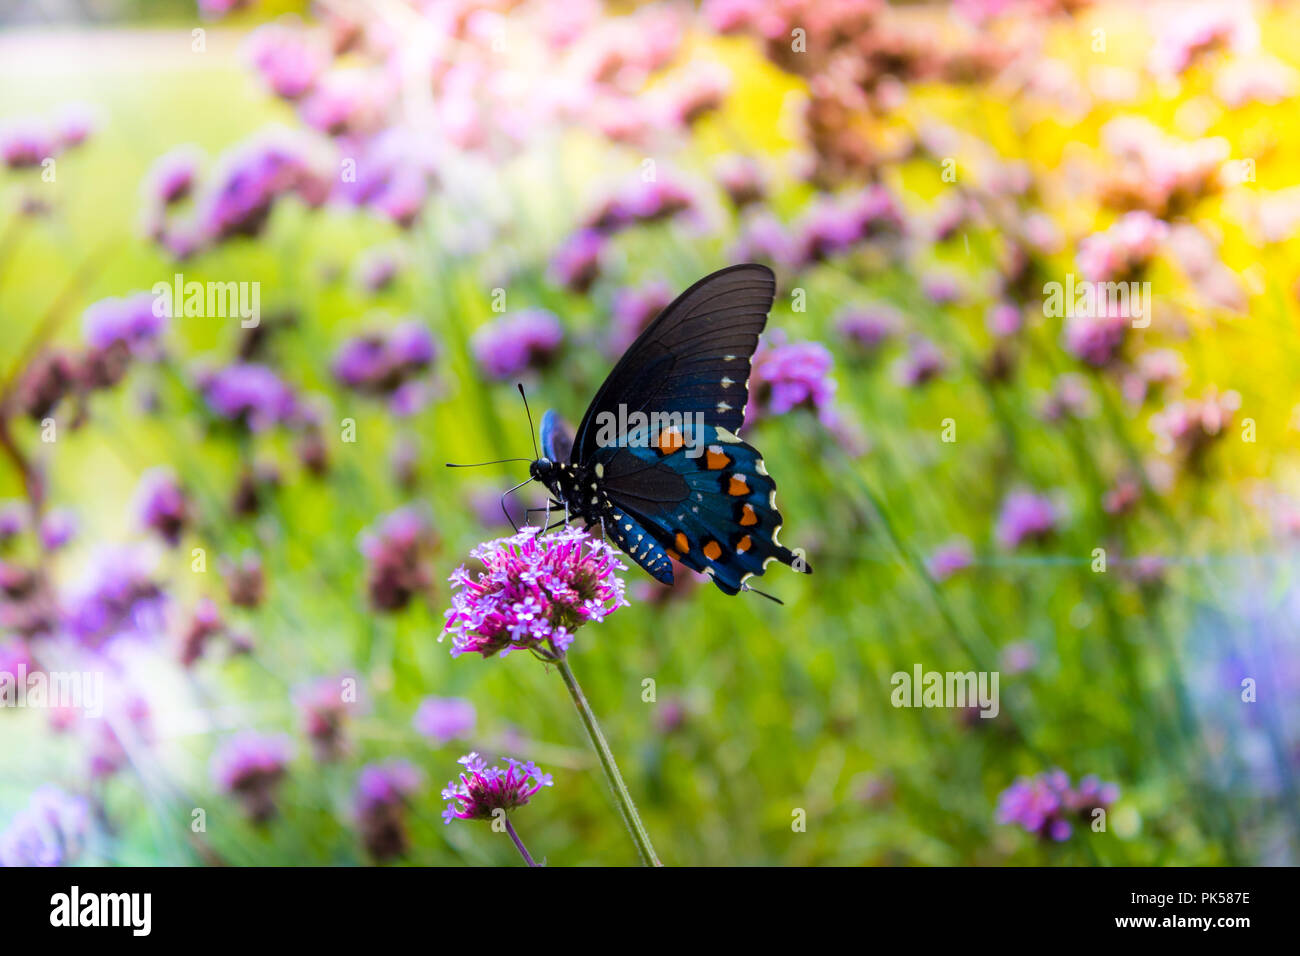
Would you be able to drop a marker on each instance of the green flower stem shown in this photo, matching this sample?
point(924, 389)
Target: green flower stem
point(519, 844)
point(621, 796)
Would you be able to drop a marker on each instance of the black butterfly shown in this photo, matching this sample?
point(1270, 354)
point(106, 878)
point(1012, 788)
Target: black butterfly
point(684, 487)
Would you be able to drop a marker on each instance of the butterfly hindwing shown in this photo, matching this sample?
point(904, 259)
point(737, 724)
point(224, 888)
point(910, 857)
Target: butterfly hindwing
point(693, 359)
point(708, 503)
point(557, 439)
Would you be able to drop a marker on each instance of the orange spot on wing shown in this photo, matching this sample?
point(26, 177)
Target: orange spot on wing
point(673, 554)
point(744, 544)
point(717, 459)
point(747, 516)
point(713, 551)
point(670, 440)
point(683, 543)
point(737, 486)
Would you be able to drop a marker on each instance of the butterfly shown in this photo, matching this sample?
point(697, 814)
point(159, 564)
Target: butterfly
point(657, 462)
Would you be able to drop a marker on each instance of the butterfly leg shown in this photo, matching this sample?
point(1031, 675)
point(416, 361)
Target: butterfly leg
point(506, 511)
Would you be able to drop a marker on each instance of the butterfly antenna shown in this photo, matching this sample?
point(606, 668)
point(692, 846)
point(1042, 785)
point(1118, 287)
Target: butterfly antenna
point(480, 464)
point(764, 594)
point(529, 412)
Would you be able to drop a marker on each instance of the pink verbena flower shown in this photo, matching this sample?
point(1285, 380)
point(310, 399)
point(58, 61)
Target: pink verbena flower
point(482, 790)
point(1044, 804)
point(533, 590)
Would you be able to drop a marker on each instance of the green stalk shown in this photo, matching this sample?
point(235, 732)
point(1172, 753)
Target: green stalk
point(624, 799)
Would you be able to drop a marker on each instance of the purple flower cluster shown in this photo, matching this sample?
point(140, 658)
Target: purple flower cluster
point(833, 227)
point(250, 766)
point(120, 598)
point(1046, 804)
point(868, 328)
point(787, 376)
point(533, 591)
point(1025, 516)
point(396, 557)
point(26, 142)
point(389, 363)
point(443, 719)
point(324, 709)
point(1121, 252)
point(642, 203)
point(50, 831)
point(249, 394)
point(481, 790)
point(383, 793)
point(949, 559)
point(513, 343)
point(576, 263)
point(131, 322)
point(163, 506)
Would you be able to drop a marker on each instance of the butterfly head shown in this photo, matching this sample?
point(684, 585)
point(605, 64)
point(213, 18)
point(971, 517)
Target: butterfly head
point(543, 470)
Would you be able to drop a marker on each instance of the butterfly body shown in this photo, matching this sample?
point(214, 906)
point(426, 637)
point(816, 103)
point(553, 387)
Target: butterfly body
point(657, 464)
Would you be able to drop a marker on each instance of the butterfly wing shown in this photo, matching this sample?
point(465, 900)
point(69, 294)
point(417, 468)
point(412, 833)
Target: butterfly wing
point(557, 438)
point(708, 503)
point(694, 358)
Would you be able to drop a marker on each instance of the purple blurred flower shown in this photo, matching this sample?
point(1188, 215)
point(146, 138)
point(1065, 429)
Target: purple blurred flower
point(922, 364)
point(13, 520)
point(1025, 516)
point(324, 708)
point(576, 263)
point(250, 766)
point(941, 288)
point(205, 623)
point(386, 362)
point(515, 342)
point(533, 590)
point(1044, 805)
point(250, 394)
point(482, 790)
point(742, 180)
point(643, 202)
point(1004, 319)
point(250, 179)
point(950, 558)
point(162, 504)
point(286, 58)
point(763, 238)
point(119, 598)
point(444, 719)
point(1122, 251)
point(832, 227)
point(1097, 339)
point(789, 376)
point(50, 831)
point(867, 328)
point(1019, 657)
point(173, 176)
point(1191, 426)
point(25, 143)
point(383, 793)
point(395, 552)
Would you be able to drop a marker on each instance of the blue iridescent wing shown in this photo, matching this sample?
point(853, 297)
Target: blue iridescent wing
point(557, 438)
point(704, 498)
point(693, 359)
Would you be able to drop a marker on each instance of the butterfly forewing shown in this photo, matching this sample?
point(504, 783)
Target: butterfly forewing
point(693, 359)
